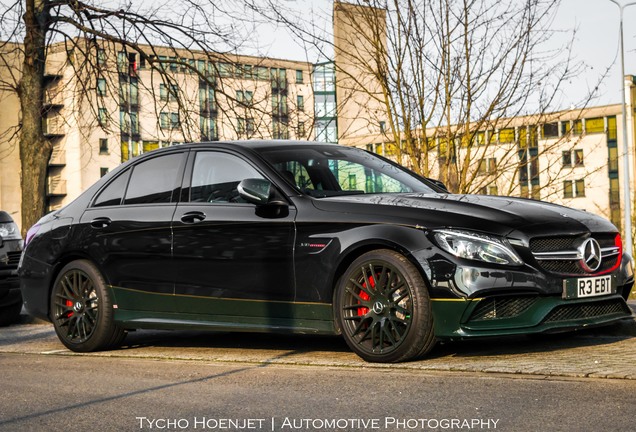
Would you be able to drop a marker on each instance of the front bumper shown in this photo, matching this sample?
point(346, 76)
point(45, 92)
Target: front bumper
point(523, 314)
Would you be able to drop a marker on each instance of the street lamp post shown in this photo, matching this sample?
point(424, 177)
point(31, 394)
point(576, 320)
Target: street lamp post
point(628, 244)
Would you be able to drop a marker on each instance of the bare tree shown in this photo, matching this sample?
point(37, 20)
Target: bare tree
point(448, 81)
point(109, 48)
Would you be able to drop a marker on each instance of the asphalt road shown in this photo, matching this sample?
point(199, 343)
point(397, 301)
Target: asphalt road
point(77, 393)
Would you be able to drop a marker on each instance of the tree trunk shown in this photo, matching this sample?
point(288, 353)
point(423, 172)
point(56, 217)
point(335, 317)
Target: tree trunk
point(35, 149)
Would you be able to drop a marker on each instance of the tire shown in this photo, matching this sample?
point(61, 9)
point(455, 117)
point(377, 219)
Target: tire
point(10, 314)
point(383, 308)
point(82, 310)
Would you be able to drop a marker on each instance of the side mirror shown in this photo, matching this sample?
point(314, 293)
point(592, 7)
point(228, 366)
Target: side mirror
point(256, 191)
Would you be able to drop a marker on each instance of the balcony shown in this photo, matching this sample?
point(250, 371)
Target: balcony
point(53, 127)
point(53, 99)
point(58, 157)
point(56, 186)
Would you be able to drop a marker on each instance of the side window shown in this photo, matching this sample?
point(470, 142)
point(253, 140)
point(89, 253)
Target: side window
point(216, 175)
point(113, 193)
point(154, 181)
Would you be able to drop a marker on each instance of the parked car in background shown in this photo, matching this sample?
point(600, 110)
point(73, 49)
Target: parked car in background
point(10, 251)
point(303, 237)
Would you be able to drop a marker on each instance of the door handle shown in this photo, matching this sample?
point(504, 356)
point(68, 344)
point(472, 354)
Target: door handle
point(193, 217)
point(101, 222)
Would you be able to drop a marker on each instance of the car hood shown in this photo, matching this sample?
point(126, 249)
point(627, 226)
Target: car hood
point(503, 215)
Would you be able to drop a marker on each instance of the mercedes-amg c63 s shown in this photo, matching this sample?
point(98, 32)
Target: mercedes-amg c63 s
point(302, 237)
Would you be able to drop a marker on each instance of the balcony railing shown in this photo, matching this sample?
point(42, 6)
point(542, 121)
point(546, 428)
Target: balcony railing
point(53, 126)
point(56, 186)
point(58, 157)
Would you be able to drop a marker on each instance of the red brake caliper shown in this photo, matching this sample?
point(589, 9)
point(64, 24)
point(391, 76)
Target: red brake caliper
point(69, 303)
point(364, 296)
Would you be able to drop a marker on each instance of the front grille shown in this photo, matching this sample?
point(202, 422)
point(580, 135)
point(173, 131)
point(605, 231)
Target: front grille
point(14, 258)
point(501, 307)
point(552, 244)
point(573, 267)
point(568, 244)
point(588, 310)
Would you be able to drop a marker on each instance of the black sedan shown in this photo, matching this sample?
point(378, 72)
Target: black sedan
point(302, 237)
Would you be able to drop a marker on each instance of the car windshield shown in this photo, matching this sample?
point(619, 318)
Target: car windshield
point(322, 171)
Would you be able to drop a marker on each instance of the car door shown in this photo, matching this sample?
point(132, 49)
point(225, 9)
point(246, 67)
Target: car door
point(128, 234)
point(230, 258)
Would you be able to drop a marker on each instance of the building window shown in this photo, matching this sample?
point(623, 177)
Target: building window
point(245, 126)
point(577, 127)
point(300, 103)
point(326, 131)
point(324, 76)
point(301, 129)
point(574, 189)
point(568, 190)
point(169, 120)
point(103, 171)
point(280, 128)
point(595, 125)
point(551, 130)
point(613, 159)
point(579, 187)
point(101, 87)
point(103, 146)
point(572, 158)
point(102, 116)
point(299, 76)
point(225, 70)
point(566, 157)
point(487, 166)
point(101, 57)
point(208, 128)
point(507, 135)
point(168, 93)
point(382, 126)
point(279, 105)
point(578, 157)
point(611, 128)
point(244, 97)
point(325, 105)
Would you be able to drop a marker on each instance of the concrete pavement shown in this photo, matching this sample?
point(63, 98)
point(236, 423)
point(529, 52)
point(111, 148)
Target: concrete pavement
point(608, 352)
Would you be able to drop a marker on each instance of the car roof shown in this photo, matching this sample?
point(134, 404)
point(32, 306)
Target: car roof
point(255, 144)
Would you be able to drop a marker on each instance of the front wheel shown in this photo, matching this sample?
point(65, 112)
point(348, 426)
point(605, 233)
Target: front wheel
point(82, 310)
point(383, 308)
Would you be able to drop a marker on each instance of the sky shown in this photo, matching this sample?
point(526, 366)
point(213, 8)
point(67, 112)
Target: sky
point(595, 44)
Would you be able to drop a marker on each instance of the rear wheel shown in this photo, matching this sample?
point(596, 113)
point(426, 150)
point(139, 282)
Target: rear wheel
point(82, 310)
point(383, 308)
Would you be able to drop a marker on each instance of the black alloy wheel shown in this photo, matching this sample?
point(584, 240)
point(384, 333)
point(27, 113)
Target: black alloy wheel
point(383, 308)
point(82, 310)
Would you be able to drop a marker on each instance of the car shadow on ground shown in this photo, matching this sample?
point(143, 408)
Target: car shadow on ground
point(307, 344)
point(539, 343)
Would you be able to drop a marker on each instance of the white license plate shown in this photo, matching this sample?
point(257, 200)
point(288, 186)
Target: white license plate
point(589, 287)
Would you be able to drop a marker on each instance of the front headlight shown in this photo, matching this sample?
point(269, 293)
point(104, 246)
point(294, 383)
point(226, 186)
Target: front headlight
point(475, 246)
point(9, 231)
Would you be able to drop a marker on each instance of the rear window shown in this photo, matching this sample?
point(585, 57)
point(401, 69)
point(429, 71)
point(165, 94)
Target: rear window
point(113, 194)
point(154, 181)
